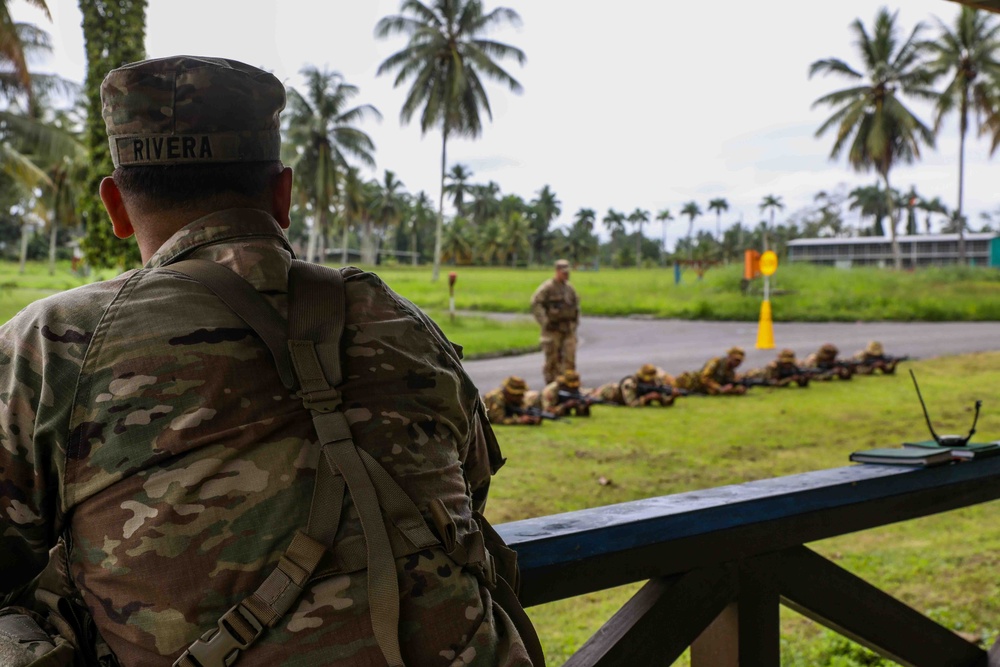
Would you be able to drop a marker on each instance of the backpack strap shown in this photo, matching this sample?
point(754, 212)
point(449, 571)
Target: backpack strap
point(313, 357)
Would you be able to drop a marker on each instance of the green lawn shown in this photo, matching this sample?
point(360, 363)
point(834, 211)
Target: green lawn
point(944, 566)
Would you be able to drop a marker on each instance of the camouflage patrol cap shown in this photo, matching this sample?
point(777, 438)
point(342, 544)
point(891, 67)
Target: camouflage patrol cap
point(874, 347)
point(569, 379)
point(647, 373)
point(787, 355)
point(515, 385)
point(736, 352)
point(191, 110)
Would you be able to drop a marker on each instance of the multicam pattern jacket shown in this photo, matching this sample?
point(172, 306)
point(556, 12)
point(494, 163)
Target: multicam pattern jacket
point(556, 306)
point(715, 373)
point(144, 420)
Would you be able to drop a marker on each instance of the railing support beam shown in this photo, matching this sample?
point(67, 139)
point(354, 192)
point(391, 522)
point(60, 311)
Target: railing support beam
point(747, 632)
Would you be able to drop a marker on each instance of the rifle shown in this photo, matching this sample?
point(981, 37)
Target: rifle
point(641, 388)
point(531, 412)
point(565, 395)
point(886, 358)
point(751, 382)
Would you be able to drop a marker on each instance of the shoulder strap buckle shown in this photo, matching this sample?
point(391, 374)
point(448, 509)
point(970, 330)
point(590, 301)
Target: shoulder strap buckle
point(221, 646)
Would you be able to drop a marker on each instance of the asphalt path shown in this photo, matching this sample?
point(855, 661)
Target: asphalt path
point(610, 348)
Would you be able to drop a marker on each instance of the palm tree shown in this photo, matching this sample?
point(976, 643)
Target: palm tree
point(516, 235)
point(485, 202)
point(718, 205)
point(614, 222)
point(388, 207)
point(544, 209)
point(870, 200)
point(458, 188)
point(322, 134)
point(664, 217)
point(638, 217)
point(456, 244)
point(932, 206)
point(870, 115)
point(580, 243)
point(774, 203)
point(421, 214)
point(445, 58)
point(692, 211)
point(13, 38)
point(966, 53)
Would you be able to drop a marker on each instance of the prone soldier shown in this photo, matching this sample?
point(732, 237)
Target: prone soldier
point(825, 361)
point(717, 376)
point(873, 358)
point(637, 390)
point(784, 370)
point(564, 396)
point(506, 404)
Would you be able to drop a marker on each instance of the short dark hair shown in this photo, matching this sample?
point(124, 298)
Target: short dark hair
point(178, 185)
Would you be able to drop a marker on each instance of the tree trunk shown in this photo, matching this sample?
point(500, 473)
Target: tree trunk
point(53, 228)
point(24, 247)
point(897, 257)
point(963, 125)
point(439, 229)
point(413, 246)
point(638, 245)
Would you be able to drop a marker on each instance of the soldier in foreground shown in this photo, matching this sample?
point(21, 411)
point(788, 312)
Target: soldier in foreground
point(177, 450)
point(873, 358)
point(507, 405)
point(825, 360)
point(557, 310)
point(637, 390)
point(717, 376)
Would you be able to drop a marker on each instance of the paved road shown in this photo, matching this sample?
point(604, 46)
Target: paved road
point(610, 348)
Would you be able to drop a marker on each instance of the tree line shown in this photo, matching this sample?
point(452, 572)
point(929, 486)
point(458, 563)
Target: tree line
point(53, 157)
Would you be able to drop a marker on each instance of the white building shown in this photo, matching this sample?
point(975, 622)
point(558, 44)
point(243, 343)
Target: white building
point(918, 250)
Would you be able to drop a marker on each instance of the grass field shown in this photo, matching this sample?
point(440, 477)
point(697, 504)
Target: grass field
point(944, 566)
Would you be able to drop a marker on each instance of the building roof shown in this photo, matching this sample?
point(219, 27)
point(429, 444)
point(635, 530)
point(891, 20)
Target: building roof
point(861, 240)
point(988, 5)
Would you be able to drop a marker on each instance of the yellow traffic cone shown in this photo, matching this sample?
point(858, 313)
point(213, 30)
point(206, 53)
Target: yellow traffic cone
point(765, 329)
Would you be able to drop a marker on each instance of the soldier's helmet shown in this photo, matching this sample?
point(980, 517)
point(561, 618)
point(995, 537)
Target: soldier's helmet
point(569, 379)
point(829, 350)
point(875, 348)
point(786, 356)
point(736, 352)
point(192, 110)
point(647, 373)
point(515, 386)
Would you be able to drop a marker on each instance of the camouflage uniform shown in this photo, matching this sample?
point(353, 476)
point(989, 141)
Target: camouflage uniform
point(626, 392)
point(824, 359)
point(714, 374)
point(500, 401)
point(570, 382)
point(870, 359)
point(782, 372)
point(556, 307)
point(144, 420)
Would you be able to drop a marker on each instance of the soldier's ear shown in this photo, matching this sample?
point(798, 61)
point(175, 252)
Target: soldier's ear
point(121, 222)
point(281, 197)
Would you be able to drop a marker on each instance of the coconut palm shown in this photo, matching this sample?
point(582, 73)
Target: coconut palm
point(421, 215)
point(774, 203)
point(580, 244)
point(638, 217)
point(870, 118)
point(870, 200)
point(664, 217)
point(544, 209)
point(459, 186)
point(322, 134)
point(614, 222)
point(446, 57)
point(516, 235)
point(967, 54)
point(15, 40)
point(692, 211)
point(930, 207)
point(388, 206)
point(718, 205)
point(485, 202)
point(457, 246)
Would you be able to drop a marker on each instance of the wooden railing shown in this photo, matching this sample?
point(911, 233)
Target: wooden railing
point(719, 561)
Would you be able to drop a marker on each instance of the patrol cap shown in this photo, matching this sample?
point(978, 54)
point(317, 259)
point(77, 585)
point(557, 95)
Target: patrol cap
point(874, 347)
point(562, 264)
point(787, 355)
point(829, 349)
point(191, 110)
point(569, 379)
point(647, 373)
point(736, 352)
point(515, 385)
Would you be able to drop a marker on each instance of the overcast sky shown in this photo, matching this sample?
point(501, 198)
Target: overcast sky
point(626, 104)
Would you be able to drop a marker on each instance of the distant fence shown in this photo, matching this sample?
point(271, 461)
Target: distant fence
point(720, 561)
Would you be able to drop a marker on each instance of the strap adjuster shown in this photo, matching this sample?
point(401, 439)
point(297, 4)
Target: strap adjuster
point(323, 401)
point(220, 647)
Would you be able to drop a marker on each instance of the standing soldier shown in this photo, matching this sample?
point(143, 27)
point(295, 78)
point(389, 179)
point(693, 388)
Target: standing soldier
point(506, 404)
point(637, 390)
point(718, 376)
point(557, 309)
